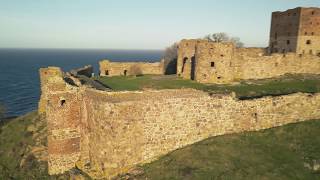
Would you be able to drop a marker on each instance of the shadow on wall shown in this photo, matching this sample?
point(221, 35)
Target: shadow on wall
point(170, 67)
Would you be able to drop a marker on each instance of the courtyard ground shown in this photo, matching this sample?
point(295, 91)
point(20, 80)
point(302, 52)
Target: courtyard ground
point(246, 89)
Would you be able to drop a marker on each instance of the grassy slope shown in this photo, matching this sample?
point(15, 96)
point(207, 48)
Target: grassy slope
point(284, 85)
point(279, 153)
point(15, 145)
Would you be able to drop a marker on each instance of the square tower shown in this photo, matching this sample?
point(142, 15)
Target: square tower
point(295, 30)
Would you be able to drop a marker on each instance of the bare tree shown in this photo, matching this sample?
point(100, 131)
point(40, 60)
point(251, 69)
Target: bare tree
point(237, 42)
point(224, 37)
point(170, 59)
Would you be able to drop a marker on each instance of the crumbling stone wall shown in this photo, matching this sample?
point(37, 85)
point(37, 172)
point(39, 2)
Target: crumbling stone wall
point(222, 63)
point(85, 71)
point(108, 68)
point(107, 133)
point(186, 52)
point(60, 103)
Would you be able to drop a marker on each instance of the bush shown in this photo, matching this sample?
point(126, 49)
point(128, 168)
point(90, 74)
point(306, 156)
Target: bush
point(170, 59)
point(135, 70)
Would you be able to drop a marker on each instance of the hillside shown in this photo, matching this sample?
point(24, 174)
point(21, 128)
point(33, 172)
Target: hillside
point(288, 152)
point(23, 149)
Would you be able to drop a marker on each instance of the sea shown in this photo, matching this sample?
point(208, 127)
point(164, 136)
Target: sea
point(19, 70)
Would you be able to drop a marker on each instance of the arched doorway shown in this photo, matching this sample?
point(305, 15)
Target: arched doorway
point(184, 64)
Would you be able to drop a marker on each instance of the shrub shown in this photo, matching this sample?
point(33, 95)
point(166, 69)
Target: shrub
point(135, 70)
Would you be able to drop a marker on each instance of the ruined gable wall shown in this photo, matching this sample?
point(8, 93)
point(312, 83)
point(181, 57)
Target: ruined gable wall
point(108, 68)
point(186, 52)
point(129, 128)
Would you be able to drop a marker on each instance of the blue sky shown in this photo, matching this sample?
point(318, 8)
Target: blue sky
point(138, 24)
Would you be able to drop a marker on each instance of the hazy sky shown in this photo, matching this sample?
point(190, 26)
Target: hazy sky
point(134, 24)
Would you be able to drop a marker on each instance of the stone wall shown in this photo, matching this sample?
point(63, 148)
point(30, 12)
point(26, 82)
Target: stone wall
point(186, 51)
point(284, 31)
point(296, 30)
point(107, 133)
point(276, 65)
point(60, 103)
point(222, 63)
point(108, 68)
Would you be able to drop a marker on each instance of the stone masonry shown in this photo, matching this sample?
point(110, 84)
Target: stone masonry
point(295, 30)
point(108, 133)
point(222, 63)
point(108, 68)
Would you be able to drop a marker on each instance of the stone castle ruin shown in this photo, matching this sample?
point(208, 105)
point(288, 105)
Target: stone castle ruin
point(106, 133)
point(294, 49)
point(223, 63)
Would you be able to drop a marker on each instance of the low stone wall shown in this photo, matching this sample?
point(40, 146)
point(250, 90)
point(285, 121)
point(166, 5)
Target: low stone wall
point(108, 68)
point(107, 133)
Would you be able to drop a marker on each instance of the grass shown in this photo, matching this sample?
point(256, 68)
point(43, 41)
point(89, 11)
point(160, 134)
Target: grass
point(280, 153)
point(15, 145)
point(246, 89)
point(133, 83)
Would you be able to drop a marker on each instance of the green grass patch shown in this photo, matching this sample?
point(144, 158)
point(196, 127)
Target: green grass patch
point(134, 83)
point(288, 152)
point(246, 89)
point(15, 144)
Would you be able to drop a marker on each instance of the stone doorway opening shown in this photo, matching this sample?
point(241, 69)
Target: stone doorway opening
point(193, 67)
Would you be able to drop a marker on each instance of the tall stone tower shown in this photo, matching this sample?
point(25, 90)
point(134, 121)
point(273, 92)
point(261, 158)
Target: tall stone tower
point(295, 30)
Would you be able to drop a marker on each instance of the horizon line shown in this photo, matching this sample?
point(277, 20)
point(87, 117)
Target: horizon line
point(56, 48)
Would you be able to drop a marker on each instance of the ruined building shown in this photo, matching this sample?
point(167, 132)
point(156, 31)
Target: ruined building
point(295, 30)
point(222, 63)
point(294, 49)
point(108, 133)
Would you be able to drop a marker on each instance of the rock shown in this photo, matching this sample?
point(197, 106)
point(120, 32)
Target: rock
point(136, 171)
point(31, 128)
point(316, 165)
